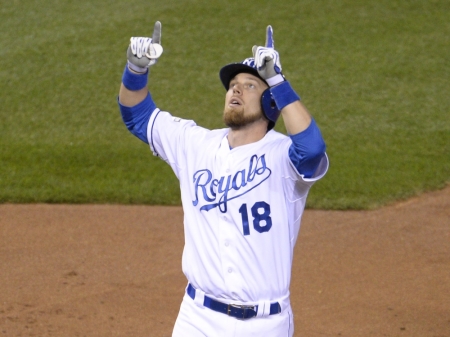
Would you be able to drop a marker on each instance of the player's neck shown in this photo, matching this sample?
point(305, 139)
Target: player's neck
point(247, 135)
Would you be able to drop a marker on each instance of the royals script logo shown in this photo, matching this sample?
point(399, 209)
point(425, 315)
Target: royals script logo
point(216, 192)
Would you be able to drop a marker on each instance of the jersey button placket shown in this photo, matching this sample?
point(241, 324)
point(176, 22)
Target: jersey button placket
point(227, 247)
point(228, 251)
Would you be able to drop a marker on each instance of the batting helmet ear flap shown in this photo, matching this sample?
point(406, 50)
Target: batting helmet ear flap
point(269, 108)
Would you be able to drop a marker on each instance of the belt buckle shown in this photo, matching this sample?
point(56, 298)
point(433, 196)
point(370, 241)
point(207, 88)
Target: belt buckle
point(244, 309)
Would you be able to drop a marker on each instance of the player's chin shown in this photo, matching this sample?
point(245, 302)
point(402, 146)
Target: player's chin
point(233, 117)
point(238, 119)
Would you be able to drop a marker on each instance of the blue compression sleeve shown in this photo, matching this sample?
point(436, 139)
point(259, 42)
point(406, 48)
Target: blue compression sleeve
point(136, 118)
point(307, 149)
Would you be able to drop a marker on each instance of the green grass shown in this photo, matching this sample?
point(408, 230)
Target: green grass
point(77, 174)
point(375, 75)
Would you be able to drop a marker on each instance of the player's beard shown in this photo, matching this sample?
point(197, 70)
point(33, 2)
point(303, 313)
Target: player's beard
point(236, 118)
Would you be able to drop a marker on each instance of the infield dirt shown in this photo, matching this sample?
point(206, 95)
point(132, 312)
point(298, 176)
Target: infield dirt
point(109, 270)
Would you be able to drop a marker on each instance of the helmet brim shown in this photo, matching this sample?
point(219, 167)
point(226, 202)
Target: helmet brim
point(228, 72)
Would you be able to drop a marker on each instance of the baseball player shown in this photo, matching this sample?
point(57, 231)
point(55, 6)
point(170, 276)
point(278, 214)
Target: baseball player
point(243, 189)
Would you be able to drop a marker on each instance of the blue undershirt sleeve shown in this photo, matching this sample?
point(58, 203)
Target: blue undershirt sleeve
point(307, 150)
point(136, 118)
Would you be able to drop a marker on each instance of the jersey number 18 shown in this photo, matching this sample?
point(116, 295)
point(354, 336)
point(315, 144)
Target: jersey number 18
point(262, 222)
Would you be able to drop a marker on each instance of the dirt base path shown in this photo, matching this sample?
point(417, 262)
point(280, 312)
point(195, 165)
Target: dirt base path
point(106, 270)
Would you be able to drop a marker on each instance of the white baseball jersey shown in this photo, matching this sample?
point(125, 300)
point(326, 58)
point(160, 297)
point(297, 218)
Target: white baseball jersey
point(242, 208)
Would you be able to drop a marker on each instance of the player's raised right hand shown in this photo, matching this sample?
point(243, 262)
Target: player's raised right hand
point(143, 52)
point(267, 60)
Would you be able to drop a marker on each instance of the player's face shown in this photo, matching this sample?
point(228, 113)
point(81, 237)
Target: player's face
point(243, 101)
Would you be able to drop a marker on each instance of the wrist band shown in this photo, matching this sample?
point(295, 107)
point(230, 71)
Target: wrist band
point(283, 94)
point(136, 69)
point(273, 81)
point(133, 81)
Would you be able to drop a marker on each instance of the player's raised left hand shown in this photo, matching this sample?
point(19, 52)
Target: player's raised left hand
point(267, 60)
point(143, 52)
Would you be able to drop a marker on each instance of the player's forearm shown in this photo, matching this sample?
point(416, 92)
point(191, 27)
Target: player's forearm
point(131, 98)
point(296, 117)
point(133, 89)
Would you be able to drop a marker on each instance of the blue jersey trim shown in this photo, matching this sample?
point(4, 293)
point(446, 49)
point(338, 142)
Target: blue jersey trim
point(136, 118)
point(153, 145)
point(307, 150)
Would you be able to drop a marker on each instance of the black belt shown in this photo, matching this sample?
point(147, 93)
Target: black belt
point(234, 310)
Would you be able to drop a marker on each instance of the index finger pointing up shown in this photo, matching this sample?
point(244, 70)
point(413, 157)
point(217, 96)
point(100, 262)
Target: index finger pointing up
point(156, 38)
point(269, 37)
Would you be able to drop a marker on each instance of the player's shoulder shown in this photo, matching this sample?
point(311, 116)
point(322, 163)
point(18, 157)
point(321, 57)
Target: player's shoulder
point(167, 118)
point(275, 136)
point(210, 135)
point(219, 132)
point(275, 144)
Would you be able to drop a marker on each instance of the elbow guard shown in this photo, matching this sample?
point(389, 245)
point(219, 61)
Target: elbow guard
point(136, 118)
point(307, 150)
